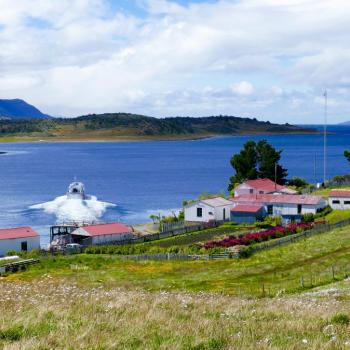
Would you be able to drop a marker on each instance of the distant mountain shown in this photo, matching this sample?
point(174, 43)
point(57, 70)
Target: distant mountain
point(345, 123)
point(125, 126)
point(19, 109)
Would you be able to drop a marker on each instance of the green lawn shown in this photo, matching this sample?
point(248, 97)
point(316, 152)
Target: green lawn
point(275, 270)
point(324, 192)
point(338, 215)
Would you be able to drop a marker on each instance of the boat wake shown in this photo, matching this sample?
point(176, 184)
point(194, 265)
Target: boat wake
point(75, 209)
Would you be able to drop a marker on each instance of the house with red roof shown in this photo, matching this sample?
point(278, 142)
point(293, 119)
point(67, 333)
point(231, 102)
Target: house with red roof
point(261, 186)
point(287, 206)
point(103, 233)
point(339, 199)
point(18, 239)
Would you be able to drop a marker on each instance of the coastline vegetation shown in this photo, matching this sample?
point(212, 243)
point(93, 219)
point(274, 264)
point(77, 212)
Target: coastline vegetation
point(124, 126)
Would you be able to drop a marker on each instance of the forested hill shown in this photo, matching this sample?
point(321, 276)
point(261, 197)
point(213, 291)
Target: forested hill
point(130, 126)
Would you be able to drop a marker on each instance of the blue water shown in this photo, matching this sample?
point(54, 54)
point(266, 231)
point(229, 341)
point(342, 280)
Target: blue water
point(143, 177)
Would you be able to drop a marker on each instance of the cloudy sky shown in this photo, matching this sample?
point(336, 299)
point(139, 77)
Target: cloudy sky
point(270, 59)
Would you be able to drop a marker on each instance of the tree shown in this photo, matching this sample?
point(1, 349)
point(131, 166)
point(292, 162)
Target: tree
point(245, 164)
point(257, 160)
point(268, 159)
point(347, 155)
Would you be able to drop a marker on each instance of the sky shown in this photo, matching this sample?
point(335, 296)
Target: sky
point(267, 59)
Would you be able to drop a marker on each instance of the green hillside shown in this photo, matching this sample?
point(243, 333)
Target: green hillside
point(104, 302)
point(121, 126)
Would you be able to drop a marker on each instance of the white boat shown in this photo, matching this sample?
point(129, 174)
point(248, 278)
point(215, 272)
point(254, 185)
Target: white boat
point(76, 190)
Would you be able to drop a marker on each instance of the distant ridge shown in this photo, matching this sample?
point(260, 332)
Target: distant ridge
point(345, 123)
point(19, 109)
point(126, 126)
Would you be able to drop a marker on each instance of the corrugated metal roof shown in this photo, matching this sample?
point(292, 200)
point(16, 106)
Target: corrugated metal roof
point(245, 208)
point(277, 198)
point(216, 202)
point(107, 229)
point(340, 193)
point(264, 185)
point(18, 232)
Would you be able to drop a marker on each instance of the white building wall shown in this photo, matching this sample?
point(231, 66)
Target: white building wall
point(344, 203)
point(219, 212)
point(15, 244)
point(105, 239)
point(208, 212)
point(292, 209)
point(244, 189)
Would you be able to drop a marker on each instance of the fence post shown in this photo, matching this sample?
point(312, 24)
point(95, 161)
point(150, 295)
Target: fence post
point(263, 290)
point(302, 282)
point(333, 274)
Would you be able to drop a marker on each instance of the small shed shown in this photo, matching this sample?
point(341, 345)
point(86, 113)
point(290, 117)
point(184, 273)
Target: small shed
point(103, 233)
point(247, 214)
point(206, 210)
point(18, 239)
point(339, 199)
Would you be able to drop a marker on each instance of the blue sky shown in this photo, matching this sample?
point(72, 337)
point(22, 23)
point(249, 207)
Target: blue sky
point(268, 59)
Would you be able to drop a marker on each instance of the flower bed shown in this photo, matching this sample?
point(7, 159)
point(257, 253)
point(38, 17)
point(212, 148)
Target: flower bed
point(255, 237)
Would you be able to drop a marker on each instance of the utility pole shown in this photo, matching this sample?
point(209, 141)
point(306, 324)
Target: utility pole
point(325, 139)
point(276, 176)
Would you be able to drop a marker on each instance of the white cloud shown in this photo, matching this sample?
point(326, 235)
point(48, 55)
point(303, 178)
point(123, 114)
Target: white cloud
point(263, 58)
point(242, 88)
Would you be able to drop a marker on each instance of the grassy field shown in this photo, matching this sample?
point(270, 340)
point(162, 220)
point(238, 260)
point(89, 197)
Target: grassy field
point(324, 192)
point(103, 302)
point(59, 314)
point(276, 270)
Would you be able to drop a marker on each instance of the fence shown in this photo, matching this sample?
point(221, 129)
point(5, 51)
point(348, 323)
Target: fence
point(293, 238)
point(166, 234)
point(176, 256)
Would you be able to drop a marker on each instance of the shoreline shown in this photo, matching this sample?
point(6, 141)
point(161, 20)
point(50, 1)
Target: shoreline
point(34, 139)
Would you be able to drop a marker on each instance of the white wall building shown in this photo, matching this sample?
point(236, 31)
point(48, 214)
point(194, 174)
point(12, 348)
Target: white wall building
point(18, 239)
point(339, 199)
point(206, 210)
point(104, 233)
point(261, 186)
point(288, 207)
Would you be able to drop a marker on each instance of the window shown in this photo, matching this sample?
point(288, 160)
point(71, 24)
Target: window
point(270, 209)
point(224, 214)
point(251, 191)
point(24, 246)
point(347, 202)
point(261, 192)
point(300, 207)
point(199, 212)
point(336, 201)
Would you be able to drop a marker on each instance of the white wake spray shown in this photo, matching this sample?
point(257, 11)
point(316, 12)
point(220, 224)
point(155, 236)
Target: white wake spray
point(75, 209)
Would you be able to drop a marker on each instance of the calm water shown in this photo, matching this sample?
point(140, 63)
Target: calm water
point(142, 177)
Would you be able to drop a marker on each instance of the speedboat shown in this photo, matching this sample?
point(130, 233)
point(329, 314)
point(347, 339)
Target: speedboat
point(76, 190)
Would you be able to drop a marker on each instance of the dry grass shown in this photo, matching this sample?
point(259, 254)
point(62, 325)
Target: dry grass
point(53, 313)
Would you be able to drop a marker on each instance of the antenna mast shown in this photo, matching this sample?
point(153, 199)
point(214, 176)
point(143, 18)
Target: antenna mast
point(325, 139)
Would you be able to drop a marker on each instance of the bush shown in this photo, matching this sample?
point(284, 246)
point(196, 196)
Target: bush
point(322, 213)
point(298, 182)
point(341, 319)
point(254, 237)
point(309, 217)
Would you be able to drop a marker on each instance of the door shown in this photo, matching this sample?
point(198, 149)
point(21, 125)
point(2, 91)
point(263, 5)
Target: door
point(224, 214)
point(24, 246)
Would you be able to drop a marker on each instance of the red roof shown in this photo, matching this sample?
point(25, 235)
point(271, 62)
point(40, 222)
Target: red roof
point(244, 208)
point(265, 185)
point(340, 193)
point(277, 198)
point(19, 232)
point(107, 229)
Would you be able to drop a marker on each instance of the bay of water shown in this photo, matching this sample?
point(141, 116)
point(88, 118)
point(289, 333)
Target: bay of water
point(143, 178)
